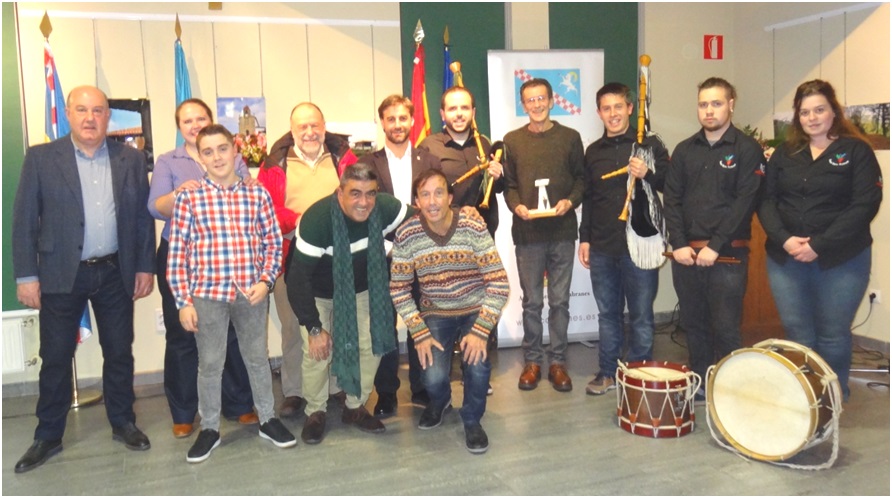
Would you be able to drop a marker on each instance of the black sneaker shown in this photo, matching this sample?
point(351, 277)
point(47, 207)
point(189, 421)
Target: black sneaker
point(421, 398)
point(274, 431)
point(475, 439)
point(207, 440)
point(431, 417)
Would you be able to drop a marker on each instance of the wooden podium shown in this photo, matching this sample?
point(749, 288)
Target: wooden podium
point(760, 318)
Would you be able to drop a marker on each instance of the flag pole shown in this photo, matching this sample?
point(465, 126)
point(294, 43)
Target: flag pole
point(88, 396)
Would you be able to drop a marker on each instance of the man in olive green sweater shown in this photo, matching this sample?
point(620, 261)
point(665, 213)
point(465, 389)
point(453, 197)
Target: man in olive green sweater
point(544, 150)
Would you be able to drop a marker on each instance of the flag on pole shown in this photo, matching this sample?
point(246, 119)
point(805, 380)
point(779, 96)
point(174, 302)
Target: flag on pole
point(447, 60)
point(181, 80)
point(85, 330)
point(422, 128)
point(56, 122)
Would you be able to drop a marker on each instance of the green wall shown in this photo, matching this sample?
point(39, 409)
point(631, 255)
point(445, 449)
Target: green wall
point(13, 148)
point(612, 27)
point(474, 28)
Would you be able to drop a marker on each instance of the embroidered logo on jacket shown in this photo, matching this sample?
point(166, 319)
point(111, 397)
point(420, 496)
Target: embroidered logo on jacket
point(760, 171)
point(729, 162)
point(838, 160)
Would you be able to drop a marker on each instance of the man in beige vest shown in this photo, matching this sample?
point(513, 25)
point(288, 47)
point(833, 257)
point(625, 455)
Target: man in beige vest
point(303, 166)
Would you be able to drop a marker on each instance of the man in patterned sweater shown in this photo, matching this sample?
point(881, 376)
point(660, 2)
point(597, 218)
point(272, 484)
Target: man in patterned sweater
point(463, 289)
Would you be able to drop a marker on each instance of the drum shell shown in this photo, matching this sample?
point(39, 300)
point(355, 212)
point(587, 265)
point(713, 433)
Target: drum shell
point(638, 398)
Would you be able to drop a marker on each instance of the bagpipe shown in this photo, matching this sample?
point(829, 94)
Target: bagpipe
point(642, 209)
point(483, 166)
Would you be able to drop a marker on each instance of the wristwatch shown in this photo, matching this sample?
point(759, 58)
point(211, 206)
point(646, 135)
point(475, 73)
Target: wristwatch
point(269, 285)
point(314, 331)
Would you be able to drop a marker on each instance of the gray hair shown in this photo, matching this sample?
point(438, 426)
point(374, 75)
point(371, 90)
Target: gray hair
point(360, 172)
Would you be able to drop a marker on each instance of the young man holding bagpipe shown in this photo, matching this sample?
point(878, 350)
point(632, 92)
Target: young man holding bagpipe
point(617, 278)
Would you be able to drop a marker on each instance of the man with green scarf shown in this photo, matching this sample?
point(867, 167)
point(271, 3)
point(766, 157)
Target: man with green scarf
point(338, 286)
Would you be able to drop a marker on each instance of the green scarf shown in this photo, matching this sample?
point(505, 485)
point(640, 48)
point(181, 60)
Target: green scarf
point(345, 336)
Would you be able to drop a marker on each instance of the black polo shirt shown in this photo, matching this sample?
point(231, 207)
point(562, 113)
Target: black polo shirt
point(604, 199)
point(831, 198)
point(712, 190)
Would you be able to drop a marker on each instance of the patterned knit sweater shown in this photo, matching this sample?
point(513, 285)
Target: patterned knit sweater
point(458, 274)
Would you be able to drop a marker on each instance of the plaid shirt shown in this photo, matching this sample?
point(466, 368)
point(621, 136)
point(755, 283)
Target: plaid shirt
point(222, 239)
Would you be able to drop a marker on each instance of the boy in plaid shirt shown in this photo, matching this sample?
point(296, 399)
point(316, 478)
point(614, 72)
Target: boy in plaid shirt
point(225, 253)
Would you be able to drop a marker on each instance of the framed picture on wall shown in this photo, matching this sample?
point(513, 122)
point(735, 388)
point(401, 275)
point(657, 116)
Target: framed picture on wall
point(131, 124)
point(245, 117)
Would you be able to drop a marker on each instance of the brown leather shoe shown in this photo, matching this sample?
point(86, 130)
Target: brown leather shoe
point(183, 430)
point(314, 428)
point(292, 407)
point(529, 378)
point(362, 419)
point(249, 418)
point(557, 374)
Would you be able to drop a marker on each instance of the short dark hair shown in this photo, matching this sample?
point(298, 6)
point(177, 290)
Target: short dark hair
point(198, 102)
point(214, 129)
point(537, 82)
point(426, 175)
point(614, 89)
point(714, 82)
point(393, 100)
point(456, 89)
point(360, 172)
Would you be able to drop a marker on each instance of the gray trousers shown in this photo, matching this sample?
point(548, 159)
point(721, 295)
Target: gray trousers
point(250, 327)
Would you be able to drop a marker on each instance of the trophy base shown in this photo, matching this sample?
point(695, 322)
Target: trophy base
point(543, 213)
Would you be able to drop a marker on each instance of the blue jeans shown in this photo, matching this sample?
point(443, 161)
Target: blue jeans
point(617, 282)
point(212, 338)
point(534, 261)
point(817, 306)
point(710, 301)
point(60, 314)
point(447, 331)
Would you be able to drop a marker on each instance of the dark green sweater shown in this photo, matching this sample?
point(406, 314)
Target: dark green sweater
point(555, 154)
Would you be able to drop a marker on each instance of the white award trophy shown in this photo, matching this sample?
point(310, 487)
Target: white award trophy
point(544, 209)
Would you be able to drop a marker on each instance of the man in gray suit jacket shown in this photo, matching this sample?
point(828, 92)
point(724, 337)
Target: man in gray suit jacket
point(397, 165)
point(81, 232)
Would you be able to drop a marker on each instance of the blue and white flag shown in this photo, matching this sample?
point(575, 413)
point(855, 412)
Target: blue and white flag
point(181, 80)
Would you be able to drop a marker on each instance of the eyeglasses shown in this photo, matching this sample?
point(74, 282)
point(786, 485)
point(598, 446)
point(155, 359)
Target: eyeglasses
point(533, 100)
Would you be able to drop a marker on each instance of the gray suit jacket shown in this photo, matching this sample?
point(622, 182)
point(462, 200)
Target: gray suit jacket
point(48, 220)
point(421, 160)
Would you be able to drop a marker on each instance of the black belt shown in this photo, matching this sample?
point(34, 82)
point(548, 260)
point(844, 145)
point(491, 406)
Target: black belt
point(101, 259)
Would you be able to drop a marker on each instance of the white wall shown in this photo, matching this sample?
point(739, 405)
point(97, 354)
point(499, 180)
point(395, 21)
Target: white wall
point(345, 57)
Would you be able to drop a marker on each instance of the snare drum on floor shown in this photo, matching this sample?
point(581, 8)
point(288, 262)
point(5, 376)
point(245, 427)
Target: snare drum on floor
point(655, 398)
point(773, 400)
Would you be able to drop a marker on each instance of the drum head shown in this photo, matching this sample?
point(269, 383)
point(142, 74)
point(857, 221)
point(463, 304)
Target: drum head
point(656, 373)
point(761, 404)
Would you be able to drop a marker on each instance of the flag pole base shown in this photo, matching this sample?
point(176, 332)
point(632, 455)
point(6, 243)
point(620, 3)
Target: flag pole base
point(82, 398)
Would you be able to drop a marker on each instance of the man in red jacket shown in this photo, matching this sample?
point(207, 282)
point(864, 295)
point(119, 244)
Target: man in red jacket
point(303, 166)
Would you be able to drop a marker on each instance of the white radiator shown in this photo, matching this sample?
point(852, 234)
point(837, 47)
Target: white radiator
point(21, 347)
point(13, 354)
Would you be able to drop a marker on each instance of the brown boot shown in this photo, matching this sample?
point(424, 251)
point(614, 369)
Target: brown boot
point(362, 419)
